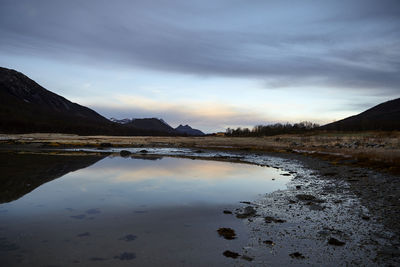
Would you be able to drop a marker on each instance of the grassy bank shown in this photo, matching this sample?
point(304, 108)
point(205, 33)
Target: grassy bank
point(379, 150)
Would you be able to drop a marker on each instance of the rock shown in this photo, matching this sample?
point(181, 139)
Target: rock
point(270, 219)
point(144, 151)
point(298, 187)
point(124, 153)
point(227, 212)
point(305, 197)
point(335, 242)
point(269, 242)
point(330, 174)
point(365, 217)
point(227, 233)
point(247, 212)
point(230, 254)
point(297, 255)
point(316, 207)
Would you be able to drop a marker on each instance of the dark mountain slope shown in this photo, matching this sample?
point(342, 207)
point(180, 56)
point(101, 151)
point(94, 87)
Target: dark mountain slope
point(385, 117)
point(19, 87)
point(151, 124)
point(188, 130)
point(27, 107)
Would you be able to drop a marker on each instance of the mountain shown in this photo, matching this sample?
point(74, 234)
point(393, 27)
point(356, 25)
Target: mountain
point(27, 107)
point(152, 124)
point(385, 117)
point(159, 125)
point(188, 130)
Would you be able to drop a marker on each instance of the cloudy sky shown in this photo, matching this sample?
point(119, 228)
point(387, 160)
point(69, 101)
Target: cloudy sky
point(210, 64)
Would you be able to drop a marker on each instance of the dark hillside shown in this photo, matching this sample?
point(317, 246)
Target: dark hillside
point(383, 117)
point(188, 130)
point(151, 124)
point(27, 107)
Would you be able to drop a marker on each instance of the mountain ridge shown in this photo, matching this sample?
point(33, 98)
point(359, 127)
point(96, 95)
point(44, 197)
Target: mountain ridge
point(27, 107)
point(189, 130)
point(384, 117)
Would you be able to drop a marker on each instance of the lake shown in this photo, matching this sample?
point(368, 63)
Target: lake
point(108, 210)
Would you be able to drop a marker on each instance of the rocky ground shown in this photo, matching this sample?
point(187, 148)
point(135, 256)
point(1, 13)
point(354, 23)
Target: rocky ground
point(328, 216)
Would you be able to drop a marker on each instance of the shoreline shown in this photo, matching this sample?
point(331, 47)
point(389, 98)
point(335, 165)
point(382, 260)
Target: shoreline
point(379, 151)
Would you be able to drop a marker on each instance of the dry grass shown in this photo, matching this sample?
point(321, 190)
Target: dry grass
point(368, 148)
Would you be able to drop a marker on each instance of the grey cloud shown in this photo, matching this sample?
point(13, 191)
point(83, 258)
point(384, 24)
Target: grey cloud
point(351, 44)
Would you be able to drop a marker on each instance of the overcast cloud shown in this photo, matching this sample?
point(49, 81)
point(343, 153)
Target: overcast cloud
point(343, 44)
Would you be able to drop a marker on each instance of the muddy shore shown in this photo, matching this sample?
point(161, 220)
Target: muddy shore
point(335, 211)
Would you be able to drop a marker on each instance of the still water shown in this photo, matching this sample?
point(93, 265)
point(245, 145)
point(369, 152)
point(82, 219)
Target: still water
point(102, 211)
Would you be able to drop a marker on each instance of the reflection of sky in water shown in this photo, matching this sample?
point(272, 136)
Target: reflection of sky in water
point(120, 183)
point(171, 206)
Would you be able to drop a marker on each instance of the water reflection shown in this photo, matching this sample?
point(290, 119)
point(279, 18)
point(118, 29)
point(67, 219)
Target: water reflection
point(22, 173)
point(118, 210)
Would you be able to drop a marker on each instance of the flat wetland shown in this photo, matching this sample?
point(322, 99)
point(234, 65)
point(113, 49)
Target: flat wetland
point(322, 200)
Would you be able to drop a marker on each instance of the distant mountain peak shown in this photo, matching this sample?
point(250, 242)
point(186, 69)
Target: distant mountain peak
point(188, 130)
point(151, 124)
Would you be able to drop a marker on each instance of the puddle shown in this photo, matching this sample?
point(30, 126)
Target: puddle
point(124, 211)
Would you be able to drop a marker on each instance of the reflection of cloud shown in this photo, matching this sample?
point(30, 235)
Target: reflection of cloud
point(182, 170)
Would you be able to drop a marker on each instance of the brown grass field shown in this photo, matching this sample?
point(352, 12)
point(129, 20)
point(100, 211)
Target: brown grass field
point(371, 149)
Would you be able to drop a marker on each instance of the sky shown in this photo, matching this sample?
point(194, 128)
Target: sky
point(210, 64)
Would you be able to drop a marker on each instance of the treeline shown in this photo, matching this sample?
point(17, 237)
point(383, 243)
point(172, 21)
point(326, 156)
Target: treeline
point(273, 129)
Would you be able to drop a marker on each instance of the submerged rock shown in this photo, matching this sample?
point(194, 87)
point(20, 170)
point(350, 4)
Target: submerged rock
point(227, 233)
point(297, 255)
point(246, 213)
point(335, 242)
point(125, 153)
point(230, 254)
point(269, 242)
